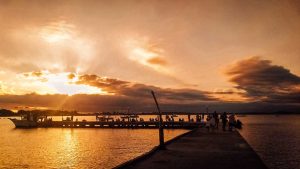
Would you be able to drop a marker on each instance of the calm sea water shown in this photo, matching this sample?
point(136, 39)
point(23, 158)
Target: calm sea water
point(276, 139)
point(73, 148)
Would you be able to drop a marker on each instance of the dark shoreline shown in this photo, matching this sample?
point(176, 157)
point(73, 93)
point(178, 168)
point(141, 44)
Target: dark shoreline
point(9, 113)
point(238, 114)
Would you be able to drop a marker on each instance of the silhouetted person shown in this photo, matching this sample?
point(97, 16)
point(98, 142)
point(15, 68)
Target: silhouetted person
point(231, 122)
point(197, 118)
point(238, 124)
point(167, 118)
point(224, 120)
point(210, 122)
point(216, 117)
point(207, 124)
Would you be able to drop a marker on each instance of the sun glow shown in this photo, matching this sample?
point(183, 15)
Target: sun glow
point(62, 36)
point(60, 83)
point(57, 32)
point(63, 85)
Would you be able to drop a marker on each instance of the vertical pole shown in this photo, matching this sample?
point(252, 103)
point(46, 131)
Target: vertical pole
point(161, 131)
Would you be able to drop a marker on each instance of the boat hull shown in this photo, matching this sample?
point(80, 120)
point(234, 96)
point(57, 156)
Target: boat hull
point(24, 123)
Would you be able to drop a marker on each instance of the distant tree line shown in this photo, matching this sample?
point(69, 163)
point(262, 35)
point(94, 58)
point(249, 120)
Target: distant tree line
point(5, 112)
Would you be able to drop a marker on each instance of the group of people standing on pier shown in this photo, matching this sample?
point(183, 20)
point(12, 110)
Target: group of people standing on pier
point(213, 120)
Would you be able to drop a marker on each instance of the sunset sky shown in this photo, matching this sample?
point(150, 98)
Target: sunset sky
point(99, 55)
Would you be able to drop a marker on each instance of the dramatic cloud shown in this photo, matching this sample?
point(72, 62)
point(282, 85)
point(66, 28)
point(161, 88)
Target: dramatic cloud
point(111, 94)
point(136, 90)
point(108, 84)
point(98, 103)
point(85, 102)
point(263, 81)
point(80, 102)
point(175, 48)
point(171, 42)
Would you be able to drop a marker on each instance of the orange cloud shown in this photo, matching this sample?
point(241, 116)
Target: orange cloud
point(71, 76)
point(137, 90)
point(157, 61)
point(261, 80)
point(37, 74)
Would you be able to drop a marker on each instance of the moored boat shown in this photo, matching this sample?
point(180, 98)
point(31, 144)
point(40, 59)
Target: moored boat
point(24, 123)
point(27, 121)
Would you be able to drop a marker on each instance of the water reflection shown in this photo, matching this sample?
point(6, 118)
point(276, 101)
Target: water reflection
point(73, 148)
point(275, 138)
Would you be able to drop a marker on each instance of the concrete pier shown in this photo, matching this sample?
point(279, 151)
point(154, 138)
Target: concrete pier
point(201, 149)
point(115, 124)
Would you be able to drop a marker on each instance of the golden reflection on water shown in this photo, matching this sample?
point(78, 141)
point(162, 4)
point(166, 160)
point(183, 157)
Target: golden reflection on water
point(66, 148)
point(73, 148)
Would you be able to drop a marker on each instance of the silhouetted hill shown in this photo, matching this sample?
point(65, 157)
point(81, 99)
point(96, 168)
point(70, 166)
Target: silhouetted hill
point(48, 112)
point(4, 112)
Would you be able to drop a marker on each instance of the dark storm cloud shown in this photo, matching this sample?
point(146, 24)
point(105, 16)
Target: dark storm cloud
point(125, 88)
point(226, 92)
point(137, 97)
point(85, 102)
point(122, 95)
point(33, 99)
point(80, 102)
point(95, 103)
point(264, 81)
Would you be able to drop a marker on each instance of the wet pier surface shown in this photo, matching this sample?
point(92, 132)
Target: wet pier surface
point(144, 124)
point(202, 149)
